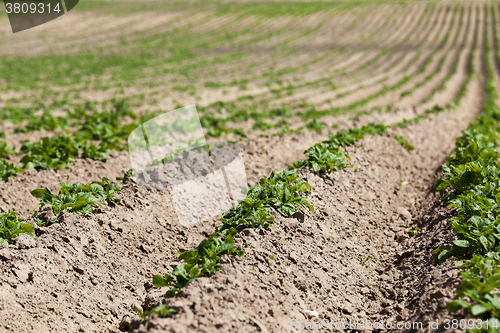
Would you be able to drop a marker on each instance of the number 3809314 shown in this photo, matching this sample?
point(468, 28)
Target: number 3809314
point(31, 8)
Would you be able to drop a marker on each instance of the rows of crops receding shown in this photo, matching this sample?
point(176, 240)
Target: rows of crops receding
point(493, 31)
point(409, 79)
point(341, 309)
point(211, 94)
point(292, 97)
point(350, 106)
point(382, 91)
point(437, 70)
point(344, 111)
point(454, 65)
point(147, 46)
point(391, 62)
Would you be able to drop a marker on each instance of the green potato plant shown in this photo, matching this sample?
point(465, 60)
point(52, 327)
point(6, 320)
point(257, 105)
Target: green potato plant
point(11, 227)
point(80, 198)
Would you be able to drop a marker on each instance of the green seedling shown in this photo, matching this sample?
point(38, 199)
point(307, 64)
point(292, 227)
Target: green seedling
point(346, 138)
point(202, 260)
point(5, 150)
point(49, 153)
point(161, 310)
point(315, 126)
point(402, 141)
point(363, 261)
point(402, 183)
point(128, 174)
point(413, 231)
point(322, 159)
point(8, 170)
point(46, 122)
point(354, 228)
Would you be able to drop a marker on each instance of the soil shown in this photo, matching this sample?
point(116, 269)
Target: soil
point(353, 259)
point(317, 258)
point(89, 271)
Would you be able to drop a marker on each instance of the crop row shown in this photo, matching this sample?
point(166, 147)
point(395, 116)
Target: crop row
point(58, 151)
point(472, 186)
point(80, 198)
point(456, 61)
point(238, 113)
point(243, 113)
point(94, 135)
point(406, 79)
point(443, 59)
point(365, 63)
point(222, 32)
point(97, 133)
point(469, 66)
point(149, 42)
point(216, 127)
point(385, 56)
point(254, 210)
point(276, 76)
point(282, 193)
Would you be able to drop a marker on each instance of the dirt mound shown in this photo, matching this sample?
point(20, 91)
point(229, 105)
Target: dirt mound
point(89, 271)
point(352, 259)
point(363, 257)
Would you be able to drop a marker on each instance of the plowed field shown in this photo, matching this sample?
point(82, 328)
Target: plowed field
point(369, 133)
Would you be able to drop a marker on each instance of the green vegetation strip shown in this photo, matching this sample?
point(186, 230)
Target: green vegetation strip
point(282, 192)
point(442, 61)
point(434, 110)
point(79, 198)
point(472, 186)
point(97, 133)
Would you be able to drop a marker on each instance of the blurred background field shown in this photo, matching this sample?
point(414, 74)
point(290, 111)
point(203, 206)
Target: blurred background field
point(272, 58)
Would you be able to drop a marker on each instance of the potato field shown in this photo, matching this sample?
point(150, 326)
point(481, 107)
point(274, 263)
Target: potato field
point(369, 132)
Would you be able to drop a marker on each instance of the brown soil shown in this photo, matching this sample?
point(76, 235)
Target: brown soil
point(316, 265)
point(89, 271)
point(352, 259)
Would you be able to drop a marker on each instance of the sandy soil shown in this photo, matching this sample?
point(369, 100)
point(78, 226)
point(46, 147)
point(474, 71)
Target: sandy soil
point(352, 259)
point(70, 266)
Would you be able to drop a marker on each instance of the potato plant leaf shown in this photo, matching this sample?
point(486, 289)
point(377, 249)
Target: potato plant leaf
point(80, 198)
point(11, 227)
